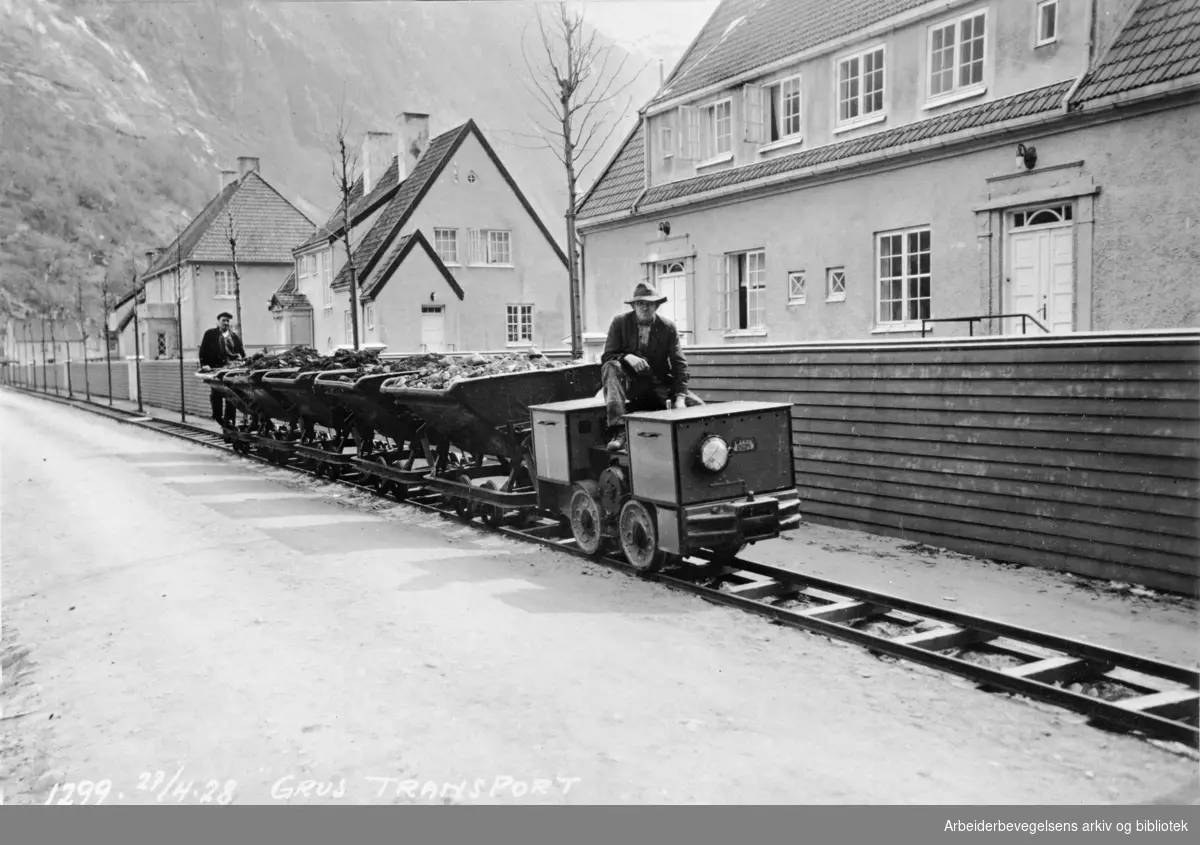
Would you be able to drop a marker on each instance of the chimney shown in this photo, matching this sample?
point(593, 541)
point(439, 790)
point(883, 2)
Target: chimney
point(151, 254)
point(247, 164)
point(377, 154)
point(414, 138)
point(227, 176)
point(661, 74)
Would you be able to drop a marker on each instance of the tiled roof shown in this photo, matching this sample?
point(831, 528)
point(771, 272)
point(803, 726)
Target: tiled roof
point(1020, 105)
point(286, 296)
point(395, 257)
point(267, 227)
point(402, 203)
point(368, 254)
point(621, 182)
point(744, 34)
point(1159, 43)
point(359, 208)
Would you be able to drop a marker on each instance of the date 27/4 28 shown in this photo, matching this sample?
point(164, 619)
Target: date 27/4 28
point(155, 783)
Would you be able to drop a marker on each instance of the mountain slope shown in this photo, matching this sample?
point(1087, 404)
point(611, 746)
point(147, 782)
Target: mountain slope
point(115, 117)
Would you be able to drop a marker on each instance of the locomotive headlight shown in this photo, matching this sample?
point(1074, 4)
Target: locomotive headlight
point(714, 453)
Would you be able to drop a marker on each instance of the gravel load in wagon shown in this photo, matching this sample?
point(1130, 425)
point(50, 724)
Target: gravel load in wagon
point(481, 415)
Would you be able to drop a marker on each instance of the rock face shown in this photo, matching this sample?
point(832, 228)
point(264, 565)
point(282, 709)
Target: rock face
point(116, 118)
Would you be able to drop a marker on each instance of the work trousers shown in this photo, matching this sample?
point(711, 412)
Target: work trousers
point(627, 393)
point(223, 411)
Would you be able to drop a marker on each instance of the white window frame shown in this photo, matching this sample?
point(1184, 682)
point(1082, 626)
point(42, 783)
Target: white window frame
point(729, 285)
point(835, 284)
point(325, 279)
point(444, 237)
point(369, 315)
point(666, 134)
point(347, 327)
point(712, 138)
point(518, 323)
point(956, 91)
point(785, 139)
point(863, 118)
point(1040, 40)
point(484, 250)
point(797, 293)
point(223, 279)
point(906, 278)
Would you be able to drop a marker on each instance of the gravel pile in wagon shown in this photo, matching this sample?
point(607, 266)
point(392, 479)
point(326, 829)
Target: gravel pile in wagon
point(444, 371)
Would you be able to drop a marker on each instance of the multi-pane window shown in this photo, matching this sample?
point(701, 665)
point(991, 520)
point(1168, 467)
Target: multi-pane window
point(1047, 22)
point(783, 109)
point(445, 244)
point(520, 324)
point(718, 136)
point(162, 344)
point(742, 291)
point(796, 291)
point(904, 276)
point(667, 135)
point(370, 316)
point(347, 328)
point(491, 246)
point(835, 284)
point(223, 284)
point(860, 85)
point(956, 55)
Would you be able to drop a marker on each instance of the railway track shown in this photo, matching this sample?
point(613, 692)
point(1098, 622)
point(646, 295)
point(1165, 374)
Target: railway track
point(1115, 689)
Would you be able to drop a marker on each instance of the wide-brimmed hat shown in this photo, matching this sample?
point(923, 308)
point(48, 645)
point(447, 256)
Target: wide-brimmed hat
point(645, 293)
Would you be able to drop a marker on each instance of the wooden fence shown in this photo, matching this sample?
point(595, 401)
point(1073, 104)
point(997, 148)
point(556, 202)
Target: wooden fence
point(1078, 453)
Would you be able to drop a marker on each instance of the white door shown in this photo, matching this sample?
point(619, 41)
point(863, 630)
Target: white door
point(1041, 281)
point(433, 328)
point(672, 283)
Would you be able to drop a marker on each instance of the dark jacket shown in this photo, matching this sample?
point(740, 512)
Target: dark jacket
point(212, 352)
point(663, 353)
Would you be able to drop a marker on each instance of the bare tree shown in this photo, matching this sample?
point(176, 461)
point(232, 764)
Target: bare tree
point(345, 162)
point(232, 233)
point(574, 79)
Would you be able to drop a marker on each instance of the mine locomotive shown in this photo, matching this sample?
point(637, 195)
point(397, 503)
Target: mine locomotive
point(707, 478)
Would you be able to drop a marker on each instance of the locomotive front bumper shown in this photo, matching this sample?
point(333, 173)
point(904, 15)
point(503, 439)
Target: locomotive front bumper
point(732, 522)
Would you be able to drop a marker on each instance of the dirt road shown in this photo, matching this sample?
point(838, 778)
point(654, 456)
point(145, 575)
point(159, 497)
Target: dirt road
point(182, 626)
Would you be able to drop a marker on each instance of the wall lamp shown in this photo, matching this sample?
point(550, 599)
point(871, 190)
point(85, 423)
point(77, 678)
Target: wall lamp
point(1027, 156)
point(432, 296)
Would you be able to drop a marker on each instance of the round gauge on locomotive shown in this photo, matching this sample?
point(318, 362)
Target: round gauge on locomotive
point(714, 453)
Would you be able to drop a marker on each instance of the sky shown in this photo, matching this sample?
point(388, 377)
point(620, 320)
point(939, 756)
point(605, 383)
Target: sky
point(661, 29)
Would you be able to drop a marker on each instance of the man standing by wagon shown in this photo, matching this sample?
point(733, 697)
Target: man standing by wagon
point(219, 347)
point(642, 366)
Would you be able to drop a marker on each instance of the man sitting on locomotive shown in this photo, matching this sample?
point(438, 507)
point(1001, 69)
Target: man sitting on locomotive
point(643, 367)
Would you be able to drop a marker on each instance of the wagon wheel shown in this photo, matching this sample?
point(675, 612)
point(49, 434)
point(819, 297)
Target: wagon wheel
point(380, 483)
point(492, 515)
point(638, 532)
point(462, 505)
point(587, 518)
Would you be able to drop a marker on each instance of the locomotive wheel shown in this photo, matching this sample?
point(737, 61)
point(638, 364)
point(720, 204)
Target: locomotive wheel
point(586, 518)
point(638, 531)
point(492, 515)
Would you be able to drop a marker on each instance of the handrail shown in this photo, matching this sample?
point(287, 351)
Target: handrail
point(971, 321)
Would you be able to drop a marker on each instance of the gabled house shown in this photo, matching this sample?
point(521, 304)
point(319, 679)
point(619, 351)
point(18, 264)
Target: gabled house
point(265, 227)
point(814, 170)
point(448, 253)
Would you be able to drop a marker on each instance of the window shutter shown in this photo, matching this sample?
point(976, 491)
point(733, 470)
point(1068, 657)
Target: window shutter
point(689, 133)
point(752, 109)
point(718, 315)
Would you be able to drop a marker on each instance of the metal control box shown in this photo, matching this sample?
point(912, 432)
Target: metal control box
point(664, 452)
point(563, 436)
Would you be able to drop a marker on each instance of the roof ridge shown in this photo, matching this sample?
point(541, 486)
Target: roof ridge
point(277, 193)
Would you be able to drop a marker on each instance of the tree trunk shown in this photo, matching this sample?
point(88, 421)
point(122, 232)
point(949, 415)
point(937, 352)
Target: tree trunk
point(350, 260)
point(572, 255)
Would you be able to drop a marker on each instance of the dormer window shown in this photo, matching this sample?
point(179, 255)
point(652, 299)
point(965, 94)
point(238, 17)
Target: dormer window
point(718, 129)
point(782, 108)
point(956, 57)
point(860, 81)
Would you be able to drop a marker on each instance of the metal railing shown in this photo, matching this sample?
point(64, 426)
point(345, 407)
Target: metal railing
point(971, 321)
